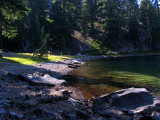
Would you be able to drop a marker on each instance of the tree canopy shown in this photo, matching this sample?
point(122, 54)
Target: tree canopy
point(74, 25)
point(10, 11)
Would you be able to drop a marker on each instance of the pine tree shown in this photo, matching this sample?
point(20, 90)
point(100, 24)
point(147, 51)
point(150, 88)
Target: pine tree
point(89, 15)
point(66, 17)
point(131, 9)
point(113, 22)
point(149, 21)
point(10, 11)
point(32, 24)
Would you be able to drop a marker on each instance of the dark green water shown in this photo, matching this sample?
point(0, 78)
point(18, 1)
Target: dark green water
point(112, 74)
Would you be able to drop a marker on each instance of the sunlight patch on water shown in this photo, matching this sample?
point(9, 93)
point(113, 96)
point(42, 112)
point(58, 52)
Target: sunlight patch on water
point(136, 78)
point(104, 76)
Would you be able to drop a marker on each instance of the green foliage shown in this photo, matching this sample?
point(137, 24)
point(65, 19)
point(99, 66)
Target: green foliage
point(111, 24)
point(49, 20)
point(1, 51)
point(96, 44)
point(66, 16)
point(89, 16)
point(97, 48)
point(9, 31)
point(10, 11)
point(151, 23)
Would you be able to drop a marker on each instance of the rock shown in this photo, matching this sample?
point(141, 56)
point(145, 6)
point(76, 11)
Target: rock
point(76, 62)
point(45, 80)
point(82, 115)
point(147, 118)
point(2, 101)
point(8, 90)
point(79, 54)
point(12, 74)
point(113, 118)
point(51, 113)
point(27, 96)
point(46, 99)
point(73, 101)
point(3, 78)
point(59, 98)
point(38, 89)
point(51, 98)
point(66, 93)
point(28, 103)
point(7, 105)
point(2, 111)
point(38, 111)
point(60, 93)
point(124, 110)
point(155, 115)
point(133, 100)
point(16, 115)
point(106, 113)
point(24, 78)
point(5, 73)
point(44, 113)
point(68, 115)
point(73, 66)
point(48, 80)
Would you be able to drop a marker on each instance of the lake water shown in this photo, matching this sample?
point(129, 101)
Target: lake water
point(108, 75)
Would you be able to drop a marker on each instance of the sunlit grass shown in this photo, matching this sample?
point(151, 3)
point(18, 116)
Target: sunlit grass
point(20, 60)
point(26, 58)
point(57, 57)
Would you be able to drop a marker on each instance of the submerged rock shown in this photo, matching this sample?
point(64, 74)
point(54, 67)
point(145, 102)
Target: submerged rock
point(132, 100)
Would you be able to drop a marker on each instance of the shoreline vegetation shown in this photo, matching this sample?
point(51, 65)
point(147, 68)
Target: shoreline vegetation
point(27, 59)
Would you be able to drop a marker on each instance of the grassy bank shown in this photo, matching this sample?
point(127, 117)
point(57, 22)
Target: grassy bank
point(26, 58)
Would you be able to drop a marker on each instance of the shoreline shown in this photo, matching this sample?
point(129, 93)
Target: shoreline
point(59, 68)
point(59, 102)
point(55, 69)
point(85, 59)
point(82, 59)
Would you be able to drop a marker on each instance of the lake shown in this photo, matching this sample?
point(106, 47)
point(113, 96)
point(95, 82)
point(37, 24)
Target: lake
point(107, 75)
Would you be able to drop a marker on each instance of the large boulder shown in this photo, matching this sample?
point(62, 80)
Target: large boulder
point(131, 101)
point(44, 80)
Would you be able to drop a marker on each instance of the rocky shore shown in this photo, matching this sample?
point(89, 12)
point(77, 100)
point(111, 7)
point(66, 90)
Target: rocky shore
point(36, 92)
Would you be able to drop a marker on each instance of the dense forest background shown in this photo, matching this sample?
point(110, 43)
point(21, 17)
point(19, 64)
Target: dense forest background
point(74, 26)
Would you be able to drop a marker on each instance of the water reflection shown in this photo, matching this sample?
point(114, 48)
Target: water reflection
point(108, 75)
